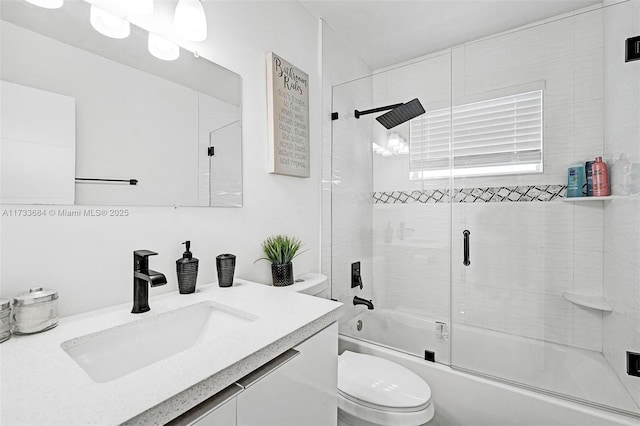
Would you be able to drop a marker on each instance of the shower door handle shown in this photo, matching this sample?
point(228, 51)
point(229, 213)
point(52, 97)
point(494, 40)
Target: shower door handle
point(466, 260)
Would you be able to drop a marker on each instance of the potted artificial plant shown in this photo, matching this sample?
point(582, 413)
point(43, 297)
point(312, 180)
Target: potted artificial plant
point(280, 251)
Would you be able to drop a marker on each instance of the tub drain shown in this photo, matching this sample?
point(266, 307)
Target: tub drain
point(359, 325)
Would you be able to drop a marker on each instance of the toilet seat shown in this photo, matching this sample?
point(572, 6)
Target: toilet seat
point(379, 391)
point(381, 407)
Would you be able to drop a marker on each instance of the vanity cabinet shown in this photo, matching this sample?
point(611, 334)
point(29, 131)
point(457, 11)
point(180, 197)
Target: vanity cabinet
point(298, 387)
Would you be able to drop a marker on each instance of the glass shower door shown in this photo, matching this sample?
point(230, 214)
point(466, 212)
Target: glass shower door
point(387, 217)
point(523, 257)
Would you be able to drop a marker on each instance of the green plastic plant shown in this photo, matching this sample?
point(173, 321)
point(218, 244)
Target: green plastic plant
point(281, 249)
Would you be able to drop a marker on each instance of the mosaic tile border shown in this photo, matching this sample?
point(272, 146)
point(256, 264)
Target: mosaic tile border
point(498, 194)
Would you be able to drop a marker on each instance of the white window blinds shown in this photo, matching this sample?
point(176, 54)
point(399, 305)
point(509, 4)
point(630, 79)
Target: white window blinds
point(495, 136)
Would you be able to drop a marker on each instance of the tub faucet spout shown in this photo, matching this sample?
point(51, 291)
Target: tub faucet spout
point(360, 301)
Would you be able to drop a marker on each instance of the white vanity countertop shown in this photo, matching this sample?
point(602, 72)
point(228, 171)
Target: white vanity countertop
point(40, 384)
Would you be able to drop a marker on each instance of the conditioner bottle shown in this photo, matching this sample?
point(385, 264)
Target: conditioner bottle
point(600, 176)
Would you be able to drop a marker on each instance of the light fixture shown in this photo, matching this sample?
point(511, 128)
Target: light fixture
point(190, 21)
point(108, 24)
point(162, 48)
point(393, 141)
point(141, 7)
point(47, 4)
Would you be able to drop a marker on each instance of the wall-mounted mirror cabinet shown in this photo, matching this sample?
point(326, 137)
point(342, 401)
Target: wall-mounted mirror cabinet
point(78, 105)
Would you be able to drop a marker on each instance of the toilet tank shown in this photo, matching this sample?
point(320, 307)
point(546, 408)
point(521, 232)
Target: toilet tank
point(310, 283)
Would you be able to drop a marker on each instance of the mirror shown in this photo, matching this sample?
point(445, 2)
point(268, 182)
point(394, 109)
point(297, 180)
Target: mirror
point(171, 127)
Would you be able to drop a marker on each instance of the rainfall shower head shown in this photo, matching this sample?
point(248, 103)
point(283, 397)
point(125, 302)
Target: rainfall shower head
point(399, 113)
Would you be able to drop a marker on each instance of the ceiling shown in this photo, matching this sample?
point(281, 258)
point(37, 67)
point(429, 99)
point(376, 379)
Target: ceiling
point(385, 33)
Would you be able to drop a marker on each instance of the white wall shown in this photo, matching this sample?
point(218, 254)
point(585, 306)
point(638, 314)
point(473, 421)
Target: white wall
point(89, 259)
point(622, 216)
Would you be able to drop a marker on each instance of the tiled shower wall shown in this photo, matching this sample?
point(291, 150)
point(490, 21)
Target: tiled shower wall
point(524, 255)
point(622, 216)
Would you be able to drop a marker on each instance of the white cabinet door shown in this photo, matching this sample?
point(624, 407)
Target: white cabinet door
point(302, 391)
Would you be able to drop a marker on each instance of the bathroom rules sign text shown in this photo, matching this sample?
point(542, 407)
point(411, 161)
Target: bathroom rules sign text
point(288, 114)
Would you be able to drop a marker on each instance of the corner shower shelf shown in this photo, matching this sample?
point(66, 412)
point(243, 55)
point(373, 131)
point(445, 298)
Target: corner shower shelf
point(607, 198)
point(574, 199)
point(592, 302)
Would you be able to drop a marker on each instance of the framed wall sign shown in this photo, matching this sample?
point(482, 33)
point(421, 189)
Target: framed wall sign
point(288, 114)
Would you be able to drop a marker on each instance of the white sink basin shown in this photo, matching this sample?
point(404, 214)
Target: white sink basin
point(109, 354)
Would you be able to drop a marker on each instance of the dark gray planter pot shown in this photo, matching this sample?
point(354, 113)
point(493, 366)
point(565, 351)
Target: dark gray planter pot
point(282, 274)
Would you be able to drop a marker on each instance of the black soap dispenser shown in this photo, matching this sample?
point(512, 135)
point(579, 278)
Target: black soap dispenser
point(187, 269)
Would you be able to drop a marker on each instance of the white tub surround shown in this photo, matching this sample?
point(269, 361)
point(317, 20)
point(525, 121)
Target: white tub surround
point(36, 368)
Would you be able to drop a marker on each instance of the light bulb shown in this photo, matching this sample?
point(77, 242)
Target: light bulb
point(189, 20)
point(47, 4)
point(141, 7)
point(162, 48)
point(108, 24)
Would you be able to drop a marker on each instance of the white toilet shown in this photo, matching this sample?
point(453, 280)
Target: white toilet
point(376, 391)
point(373, 390)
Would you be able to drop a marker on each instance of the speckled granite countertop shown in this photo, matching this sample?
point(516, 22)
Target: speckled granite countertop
point(40, 384)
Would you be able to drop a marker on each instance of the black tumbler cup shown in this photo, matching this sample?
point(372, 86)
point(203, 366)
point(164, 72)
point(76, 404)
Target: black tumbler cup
point(226, 265)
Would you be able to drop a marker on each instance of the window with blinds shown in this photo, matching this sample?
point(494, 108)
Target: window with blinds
point(491, 137)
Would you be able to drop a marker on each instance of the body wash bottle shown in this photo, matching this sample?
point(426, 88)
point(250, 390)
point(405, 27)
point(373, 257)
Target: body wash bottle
point(588, 170)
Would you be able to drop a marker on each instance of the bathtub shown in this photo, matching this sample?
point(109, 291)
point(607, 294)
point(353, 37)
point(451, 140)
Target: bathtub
point(470, 399)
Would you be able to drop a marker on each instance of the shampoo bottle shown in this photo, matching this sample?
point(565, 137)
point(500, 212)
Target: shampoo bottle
point(575, 181)
point(187, 269)
point(600, 177)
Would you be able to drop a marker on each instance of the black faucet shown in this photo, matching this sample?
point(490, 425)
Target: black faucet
point(360, 301)
point(141, 276)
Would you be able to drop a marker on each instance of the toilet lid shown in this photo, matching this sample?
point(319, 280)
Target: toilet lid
point(379, 382)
